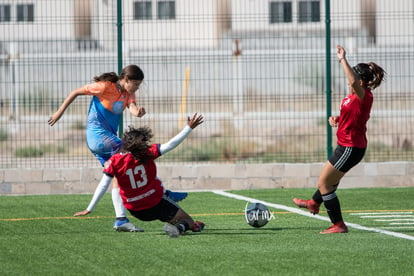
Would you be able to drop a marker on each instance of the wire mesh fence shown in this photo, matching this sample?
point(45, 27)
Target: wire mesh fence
point(256, 70)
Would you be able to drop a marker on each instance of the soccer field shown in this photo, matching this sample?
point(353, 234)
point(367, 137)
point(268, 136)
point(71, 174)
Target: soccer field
point(39, 236)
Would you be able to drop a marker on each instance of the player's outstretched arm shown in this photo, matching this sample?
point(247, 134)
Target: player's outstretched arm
point(353, 79)
point(99, 192)
point(72, 96)
point(192, 122)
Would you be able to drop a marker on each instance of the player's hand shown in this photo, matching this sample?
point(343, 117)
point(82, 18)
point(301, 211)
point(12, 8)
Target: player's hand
point(54, 118)
point(195, 120)
point(333, 121)
point(82, 213)
point(340, 52)
point(141, 111)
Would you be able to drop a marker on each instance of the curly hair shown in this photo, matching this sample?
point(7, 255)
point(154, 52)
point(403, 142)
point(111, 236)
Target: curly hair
point(137, 142)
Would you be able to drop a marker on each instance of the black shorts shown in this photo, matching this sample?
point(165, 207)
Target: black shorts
point(344, 158)
point(164, 211)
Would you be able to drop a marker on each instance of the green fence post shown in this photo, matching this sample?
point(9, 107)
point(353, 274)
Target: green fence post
point(119, 46)
point(328, 76)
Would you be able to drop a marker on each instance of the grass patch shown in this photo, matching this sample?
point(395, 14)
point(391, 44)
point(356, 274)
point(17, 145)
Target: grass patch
point(29, 151)
point(56, 243)
point(3, 135)
point(32, 151)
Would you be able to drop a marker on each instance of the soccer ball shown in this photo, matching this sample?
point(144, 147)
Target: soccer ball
point(257, 214)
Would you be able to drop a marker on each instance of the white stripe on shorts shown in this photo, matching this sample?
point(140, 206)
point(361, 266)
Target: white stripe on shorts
point(341, 161)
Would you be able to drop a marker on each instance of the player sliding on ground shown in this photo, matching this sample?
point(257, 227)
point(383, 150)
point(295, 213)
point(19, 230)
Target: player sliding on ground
point(141, 191)
point(351, 138)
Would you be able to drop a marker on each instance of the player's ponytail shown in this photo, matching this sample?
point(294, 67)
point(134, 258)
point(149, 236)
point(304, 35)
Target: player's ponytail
point(111, 76)
point(370, 73)
point(378, 73)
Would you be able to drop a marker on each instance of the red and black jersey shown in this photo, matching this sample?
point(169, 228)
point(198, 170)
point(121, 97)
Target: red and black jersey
point(352, 123)
point(139, 186)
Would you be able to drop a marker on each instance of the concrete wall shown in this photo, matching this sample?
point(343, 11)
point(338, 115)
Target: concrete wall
point(207, 177)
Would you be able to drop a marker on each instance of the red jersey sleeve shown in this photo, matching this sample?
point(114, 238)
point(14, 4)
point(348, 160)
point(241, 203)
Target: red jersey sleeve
point(108, 169)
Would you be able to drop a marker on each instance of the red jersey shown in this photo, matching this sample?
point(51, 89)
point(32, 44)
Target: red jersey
point(138, 183)
point(352, 123)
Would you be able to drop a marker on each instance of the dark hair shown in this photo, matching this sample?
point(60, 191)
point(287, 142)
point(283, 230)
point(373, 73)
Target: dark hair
point(370, 73)
point(132, 72)
point(137, 142)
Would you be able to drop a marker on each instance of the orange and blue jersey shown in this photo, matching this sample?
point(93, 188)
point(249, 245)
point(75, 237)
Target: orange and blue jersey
point(105, 112)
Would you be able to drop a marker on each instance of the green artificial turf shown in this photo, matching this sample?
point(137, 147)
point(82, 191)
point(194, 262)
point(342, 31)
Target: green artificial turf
point(40, 236)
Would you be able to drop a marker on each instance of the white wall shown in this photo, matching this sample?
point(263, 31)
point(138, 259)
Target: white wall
point(198, 23)
point(104, 27)
point(201, 23)
point(397, 29)
point(44, 25)
point(253, 15)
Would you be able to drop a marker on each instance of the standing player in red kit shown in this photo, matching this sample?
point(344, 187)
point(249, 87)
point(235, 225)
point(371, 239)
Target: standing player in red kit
point(351, 138)
point(141, 191)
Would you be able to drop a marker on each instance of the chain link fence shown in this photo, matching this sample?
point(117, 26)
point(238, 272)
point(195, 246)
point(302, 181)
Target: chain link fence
point(256, 70)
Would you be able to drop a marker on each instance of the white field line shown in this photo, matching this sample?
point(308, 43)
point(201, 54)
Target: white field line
point(389, 216)
point(393, 218)
point(307, 214)
point(397, 227)
point(382, 213)
point(389, 220)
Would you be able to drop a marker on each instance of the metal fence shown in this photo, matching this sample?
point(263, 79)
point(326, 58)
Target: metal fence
point(262, 90)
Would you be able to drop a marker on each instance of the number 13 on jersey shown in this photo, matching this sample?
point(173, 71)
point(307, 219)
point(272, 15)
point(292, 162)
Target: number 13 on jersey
point(137, 177)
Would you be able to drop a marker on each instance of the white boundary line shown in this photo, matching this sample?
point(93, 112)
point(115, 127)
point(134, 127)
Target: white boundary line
point(307, 214)
point(382, 213)
point(388, 216)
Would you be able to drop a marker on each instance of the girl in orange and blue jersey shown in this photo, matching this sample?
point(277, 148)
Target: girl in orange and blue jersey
point(111, 95)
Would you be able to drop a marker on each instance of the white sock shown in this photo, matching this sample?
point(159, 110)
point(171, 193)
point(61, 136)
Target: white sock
point(120, 210)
